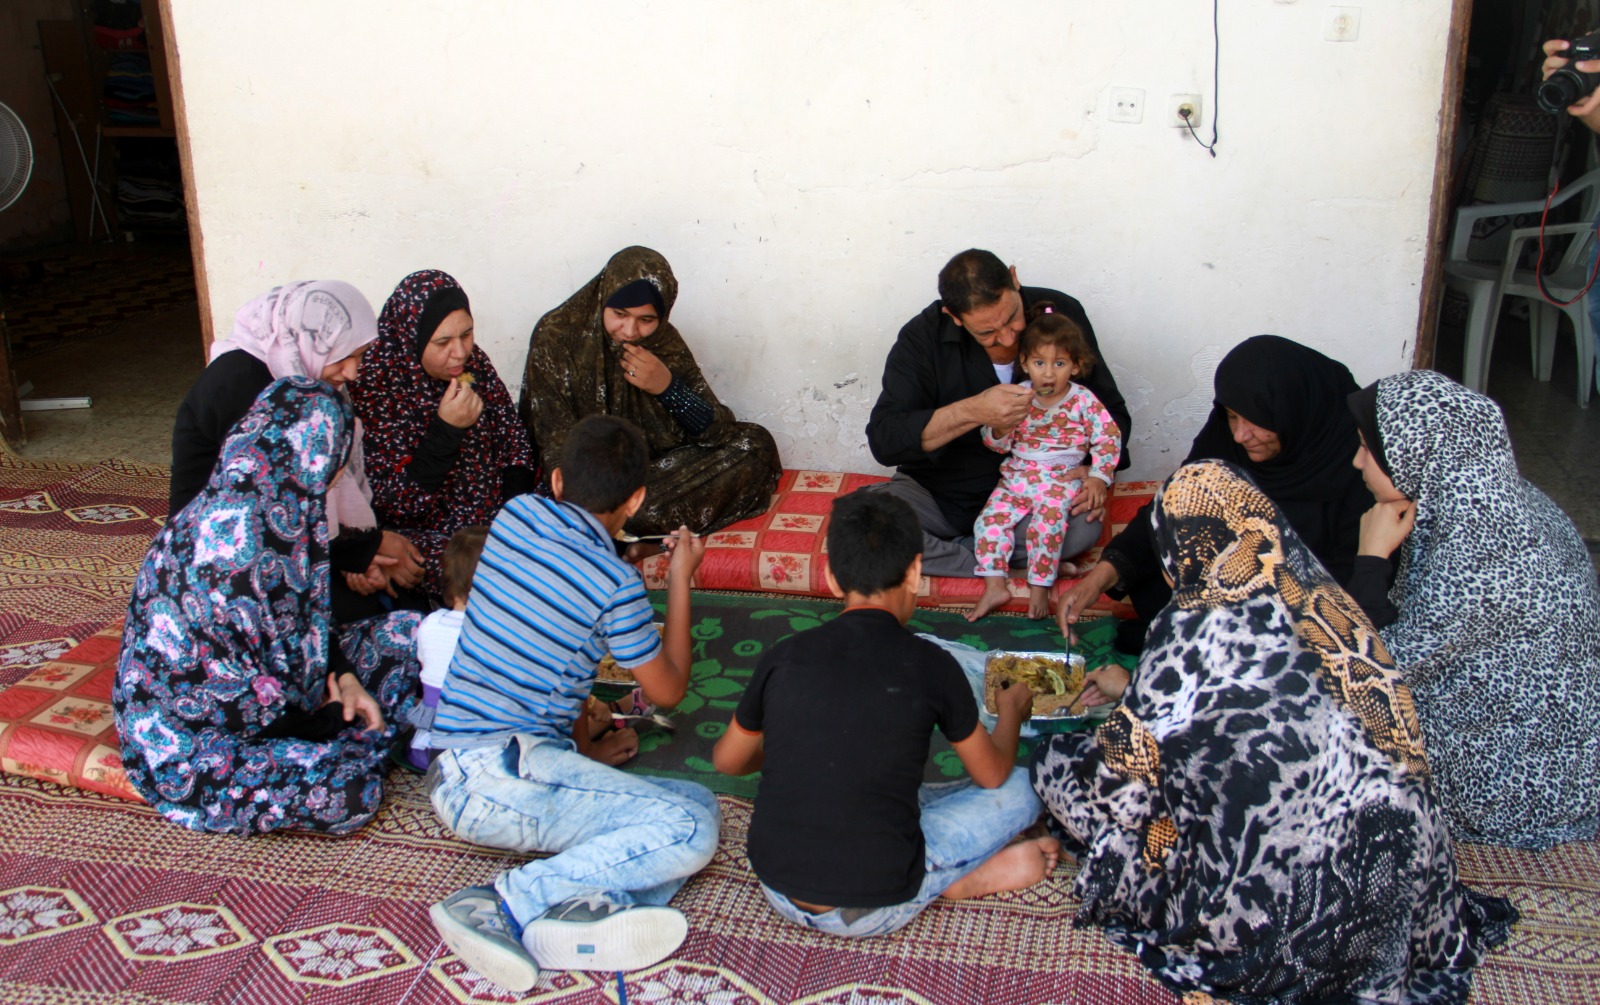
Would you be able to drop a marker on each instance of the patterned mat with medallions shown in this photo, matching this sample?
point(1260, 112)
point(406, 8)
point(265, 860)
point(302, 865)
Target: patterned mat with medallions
point(103, 902)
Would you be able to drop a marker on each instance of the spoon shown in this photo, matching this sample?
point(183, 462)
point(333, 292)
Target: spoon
point(627, 538)
point(620, 719)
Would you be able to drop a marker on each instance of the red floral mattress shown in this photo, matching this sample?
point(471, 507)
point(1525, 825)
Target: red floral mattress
point(784, 550)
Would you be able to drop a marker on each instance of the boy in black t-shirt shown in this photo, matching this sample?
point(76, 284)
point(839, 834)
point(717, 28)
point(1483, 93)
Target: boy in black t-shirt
point(846, 839)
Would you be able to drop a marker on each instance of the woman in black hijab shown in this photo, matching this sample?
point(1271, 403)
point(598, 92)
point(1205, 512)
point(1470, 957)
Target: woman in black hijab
point(1280, 416)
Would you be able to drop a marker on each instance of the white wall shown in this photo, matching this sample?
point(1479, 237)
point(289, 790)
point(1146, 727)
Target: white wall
point(807, 168)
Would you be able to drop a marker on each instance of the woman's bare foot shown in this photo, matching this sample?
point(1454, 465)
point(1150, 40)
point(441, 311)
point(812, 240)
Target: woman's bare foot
point(1070, 570)
point(996, 591)
point(616, 747)
point(638, 551)
point(1014, 867)
point(1038, 602)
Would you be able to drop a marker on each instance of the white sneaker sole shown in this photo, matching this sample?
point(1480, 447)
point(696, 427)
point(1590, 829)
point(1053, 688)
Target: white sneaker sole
point(507, 967)
point(628, 940)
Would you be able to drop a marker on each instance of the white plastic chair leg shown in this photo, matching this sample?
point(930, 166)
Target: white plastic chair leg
point(1482, 316)
point(1585, 337)
point(1541, 343)
point(1544, 324)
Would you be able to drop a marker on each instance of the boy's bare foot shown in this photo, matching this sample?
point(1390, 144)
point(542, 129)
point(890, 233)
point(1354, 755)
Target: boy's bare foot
point(996, 591)
point(1014, 867)
point(616, 747)
point(1070, 570)
point(1038, 602)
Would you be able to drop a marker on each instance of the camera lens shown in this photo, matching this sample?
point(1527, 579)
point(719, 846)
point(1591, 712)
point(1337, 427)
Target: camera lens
point(1565, 87)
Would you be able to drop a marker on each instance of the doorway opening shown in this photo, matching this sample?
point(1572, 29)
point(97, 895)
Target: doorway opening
point(1501, 147)
point(101, 319)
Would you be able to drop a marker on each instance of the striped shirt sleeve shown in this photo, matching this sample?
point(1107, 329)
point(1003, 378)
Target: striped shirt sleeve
point(628, 625)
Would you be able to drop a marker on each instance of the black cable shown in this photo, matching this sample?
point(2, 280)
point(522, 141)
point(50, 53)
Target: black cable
point(1216, 78)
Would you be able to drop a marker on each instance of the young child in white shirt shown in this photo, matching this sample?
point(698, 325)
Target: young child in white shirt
point(439, 632)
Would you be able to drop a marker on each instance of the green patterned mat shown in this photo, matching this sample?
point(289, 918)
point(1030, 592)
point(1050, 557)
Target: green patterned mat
point(731, 631)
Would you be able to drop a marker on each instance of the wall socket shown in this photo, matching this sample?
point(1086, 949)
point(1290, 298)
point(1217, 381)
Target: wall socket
point(1175, 106)
point(1125, 105)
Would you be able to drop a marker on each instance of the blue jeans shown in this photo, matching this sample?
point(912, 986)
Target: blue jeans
point(963, 826)
point(632, 839)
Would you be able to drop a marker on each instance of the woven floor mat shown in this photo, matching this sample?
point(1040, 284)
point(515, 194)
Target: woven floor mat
point(102, 901)
point(72, 537)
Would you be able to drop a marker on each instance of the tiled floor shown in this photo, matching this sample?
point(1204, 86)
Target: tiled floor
point(1556, 442)
point(139, 373)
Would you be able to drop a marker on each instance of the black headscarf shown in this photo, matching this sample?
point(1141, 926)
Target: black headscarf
point(1299, 394)
point(445, 301)
point(1364, 407)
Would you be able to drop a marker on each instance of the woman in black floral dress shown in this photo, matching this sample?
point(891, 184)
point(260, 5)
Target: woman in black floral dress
point(1257, 821)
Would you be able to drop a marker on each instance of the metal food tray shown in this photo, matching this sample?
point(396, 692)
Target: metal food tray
point(1057, 720)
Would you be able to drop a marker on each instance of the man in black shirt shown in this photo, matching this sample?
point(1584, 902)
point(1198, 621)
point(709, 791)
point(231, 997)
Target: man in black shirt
point(845, 838)
point(950, 372)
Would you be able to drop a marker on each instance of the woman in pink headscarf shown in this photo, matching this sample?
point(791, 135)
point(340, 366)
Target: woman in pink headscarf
point(314, 329)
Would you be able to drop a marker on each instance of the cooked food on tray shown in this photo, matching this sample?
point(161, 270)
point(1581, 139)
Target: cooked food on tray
point(1054, 682)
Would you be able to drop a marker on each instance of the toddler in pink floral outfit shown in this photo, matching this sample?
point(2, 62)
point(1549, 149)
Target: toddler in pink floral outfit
point(1066, 444)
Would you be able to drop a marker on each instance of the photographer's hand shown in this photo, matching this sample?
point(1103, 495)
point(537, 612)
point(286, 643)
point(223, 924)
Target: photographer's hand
point(1588, 110)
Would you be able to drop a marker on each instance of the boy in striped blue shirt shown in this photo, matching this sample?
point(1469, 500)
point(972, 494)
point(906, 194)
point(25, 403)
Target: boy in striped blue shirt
point(549, 599)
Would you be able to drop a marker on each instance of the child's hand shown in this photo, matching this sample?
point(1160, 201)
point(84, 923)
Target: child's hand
point(596, 717)
point(1016, 699)
point(614, 748)
point(686, 550)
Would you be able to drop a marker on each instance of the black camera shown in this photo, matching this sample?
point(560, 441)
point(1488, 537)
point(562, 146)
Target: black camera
point(1569, 85)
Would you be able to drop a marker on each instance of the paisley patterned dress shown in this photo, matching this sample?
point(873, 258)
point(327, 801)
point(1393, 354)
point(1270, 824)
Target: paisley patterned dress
point(1257, 821)
point(227, 648)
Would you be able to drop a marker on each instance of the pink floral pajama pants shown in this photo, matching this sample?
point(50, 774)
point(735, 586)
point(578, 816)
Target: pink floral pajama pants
point(1025, 487)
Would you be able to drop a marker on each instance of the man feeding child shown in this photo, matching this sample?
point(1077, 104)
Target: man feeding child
point(845, 838)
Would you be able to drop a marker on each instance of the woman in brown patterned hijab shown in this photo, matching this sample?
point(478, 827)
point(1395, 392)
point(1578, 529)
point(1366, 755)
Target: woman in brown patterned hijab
point(1257, 821)
point(609, 350)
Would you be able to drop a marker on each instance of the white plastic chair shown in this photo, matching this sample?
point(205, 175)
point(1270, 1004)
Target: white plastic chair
point(1482, 282)
point(1570, 277)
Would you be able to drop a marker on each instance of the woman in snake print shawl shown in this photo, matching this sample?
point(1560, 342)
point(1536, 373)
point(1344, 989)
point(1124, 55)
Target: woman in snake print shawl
point(706, 469)
point(1257, 821)
point(1493, 618)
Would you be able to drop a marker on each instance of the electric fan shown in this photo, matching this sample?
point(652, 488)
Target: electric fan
point(16, 157)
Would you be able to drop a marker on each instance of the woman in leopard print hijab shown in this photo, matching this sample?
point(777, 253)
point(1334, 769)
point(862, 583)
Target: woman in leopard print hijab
point(1257, 821)
point(1493, 617)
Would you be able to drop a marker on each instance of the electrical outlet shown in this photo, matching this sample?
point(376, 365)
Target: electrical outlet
point(1341, 24)
point(1126, 105)
point(1175, 108)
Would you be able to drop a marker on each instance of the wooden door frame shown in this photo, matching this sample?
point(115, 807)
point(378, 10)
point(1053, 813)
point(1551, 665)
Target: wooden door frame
point(1439, 206)
point(180, 122)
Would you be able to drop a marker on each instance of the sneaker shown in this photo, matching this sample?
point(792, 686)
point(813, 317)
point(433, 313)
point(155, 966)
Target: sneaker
point(591, 933)
point(475, 926)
